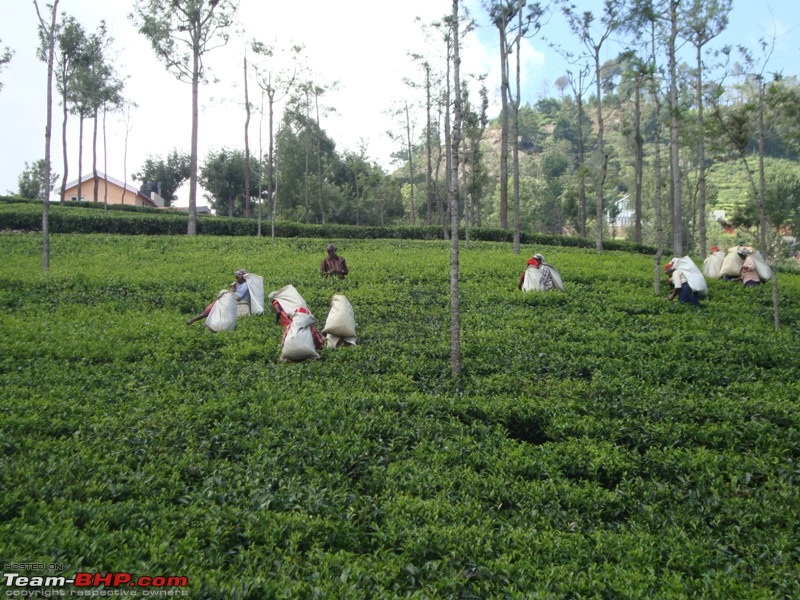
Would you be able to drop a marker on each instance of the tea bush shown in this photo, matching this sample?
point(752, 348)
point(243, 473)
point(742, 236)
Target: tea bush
point(601, 443)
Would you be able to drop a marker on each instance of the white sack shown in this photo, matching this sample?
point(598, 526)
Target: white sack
point(333, 341)
point(289, 298)
point(223, 314)
point(556, 277)
point(298, 343)
point(732, 263)
point(341, 321)
point(712, 265)
point(762, 268)
point(255, 285)
point(532, 280)
point(693, 275)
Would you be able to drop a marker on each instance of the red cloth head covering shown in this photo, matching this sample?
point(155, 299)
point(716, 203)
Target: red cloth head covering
point(715, 248)
point(668, 266)
point(533, 262)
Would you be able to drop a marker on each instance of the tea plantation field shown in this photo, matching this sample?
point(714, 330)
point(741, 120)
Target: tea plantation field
point(601, 443)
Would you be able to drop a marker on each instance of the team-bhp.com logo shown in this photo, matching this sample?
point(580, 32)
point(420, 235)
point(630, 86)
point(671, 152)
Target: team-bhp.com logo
point(93, 584)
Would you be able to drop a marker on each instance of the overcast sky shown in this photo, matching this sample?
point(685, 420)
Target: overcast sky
point(361, 45)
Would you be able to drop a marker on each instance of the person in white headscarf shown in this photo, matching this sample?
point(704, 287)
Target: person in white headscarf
point(240, 292)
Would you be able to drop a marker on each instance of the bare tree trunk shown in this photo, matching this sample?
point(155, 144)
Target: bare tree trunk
point(602, 158)
point(246, 146)
point(192, 227)
point(762, 182)
point(319, 161)
point(308, 151)
point(105, 162)
point(464, 187)
point(639, 162)
point(261, 158)
point(657, 175)
point(125, 152)
point(358, 193)
point(429, 149)
point(51, 45)
point(581, 155)
point(96, 188)
point(448, 144)
point(503, 129)
point(516, 135)
point(455, 311)
point(64, 144)
point(80, 158)
point(762, 213)
point(271, 170)
point(701, 154)
point(409, 144)
point(674, 137)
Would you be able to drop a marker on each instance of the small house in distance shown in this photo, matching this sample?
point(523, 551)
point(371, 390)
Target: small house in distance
point(113, 191)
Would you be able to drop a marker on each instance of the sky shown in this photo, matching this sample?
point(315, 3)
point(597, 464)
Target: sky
point(361, 47)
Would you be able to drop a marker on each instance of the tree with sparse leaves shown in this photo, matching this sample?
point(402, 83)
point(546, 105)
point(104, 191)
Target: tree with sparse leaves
point(69, 52)
point(452, 196)
point(30, 181)
point(182, 32)
point(593, 33)
point(5, 58)
point(47, 44)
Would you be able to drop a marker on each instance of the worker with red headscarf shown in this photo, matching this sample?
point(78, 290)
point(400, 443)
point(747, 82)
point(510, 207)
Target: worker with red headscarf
point(540, 276)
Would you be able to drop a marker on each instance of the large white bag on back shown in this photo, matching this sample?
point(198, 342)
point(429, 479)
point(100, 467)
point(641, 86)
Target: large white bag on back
point(762, 268)
point(556, 277)
point(693, 275)
point(223, 314)
point(532, 280)
point(340, 326)
point(341, 320)
point(255, 285)
point(732, 263)
point(712, 265)
point(289, 298)
point(298, 343)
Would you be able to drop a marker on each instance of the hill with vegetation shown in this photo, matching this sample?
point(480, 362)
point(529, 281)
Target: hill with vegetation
point(601, 442)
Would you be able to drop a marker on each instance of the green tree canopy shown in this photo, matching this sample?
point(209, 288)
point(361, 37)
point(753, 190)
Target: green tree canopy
point(222, 175)
point(30, 180)
point(169, 173)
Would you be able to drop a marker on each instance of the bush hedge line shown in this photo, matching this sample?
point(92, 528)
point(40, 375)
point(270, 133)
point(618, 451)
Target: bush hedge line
point(26, 215)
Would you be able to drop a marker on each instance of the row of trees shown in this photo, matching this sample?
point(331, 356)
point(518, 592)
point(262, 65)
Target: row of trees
point(609, 132)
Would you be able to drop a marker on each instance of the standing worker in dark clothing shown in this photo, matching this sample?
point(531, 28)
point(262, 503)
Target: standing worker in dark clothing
point(333, 264)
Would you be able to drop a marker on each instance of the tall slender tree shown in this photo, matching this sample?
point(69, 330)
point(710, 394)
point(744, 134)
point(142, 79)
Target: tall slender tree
point(578, 83)
point(246, 140)
point(676, 196)
point(527, 24)
point(502, 14)
point(275, 83)
point(593, 39)
point(69, 52)
point(703, 20)
point(455, 310)
point(48, 32)
point(182, 32)
point(427, 85)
